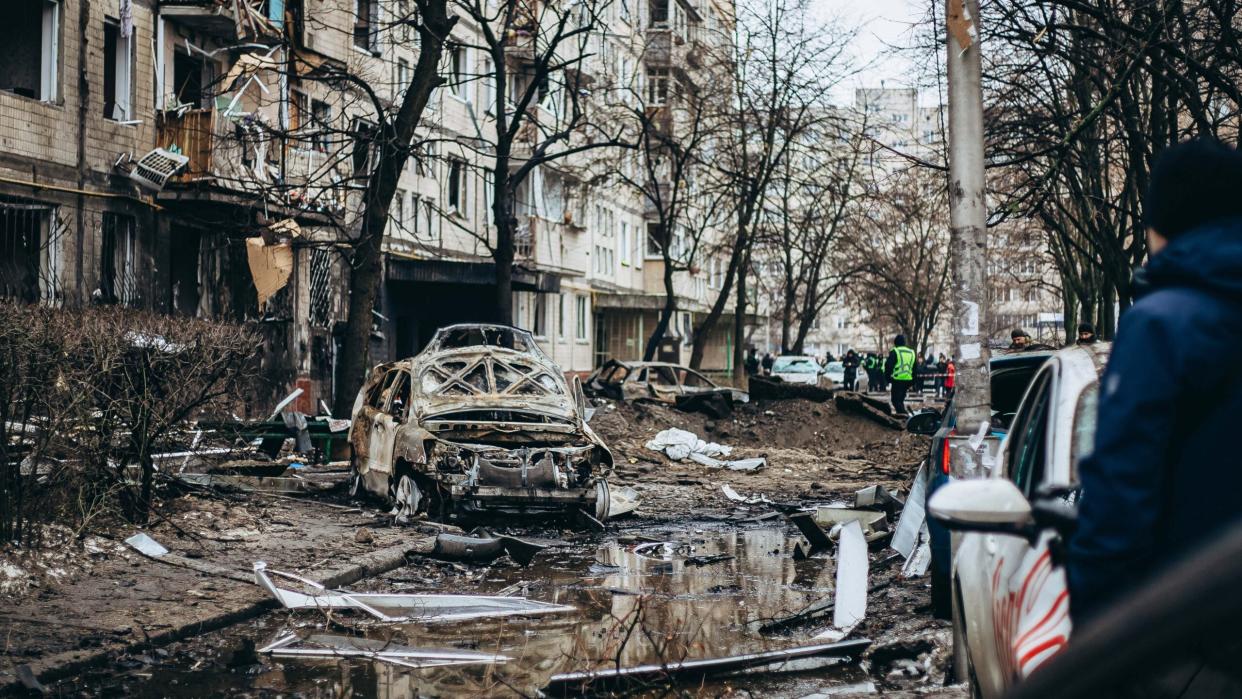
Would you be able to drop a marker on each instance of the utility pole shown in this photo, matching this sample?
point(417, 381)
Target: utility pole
point(968, 243)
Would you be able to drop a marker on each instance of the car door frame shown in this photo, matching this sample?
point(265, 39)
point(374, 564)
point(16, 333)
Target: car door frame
point(382, 431)
point(988, 560)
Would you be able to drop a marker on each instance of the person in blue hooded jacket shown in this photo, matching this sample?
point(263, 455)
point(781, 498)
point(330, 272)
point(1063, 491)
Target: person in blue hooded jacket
point(1164, 477)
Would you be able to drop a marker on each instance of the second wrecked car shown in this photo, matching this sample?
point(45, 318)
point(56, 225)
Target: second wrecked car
point(481, 420)
point(658, 381)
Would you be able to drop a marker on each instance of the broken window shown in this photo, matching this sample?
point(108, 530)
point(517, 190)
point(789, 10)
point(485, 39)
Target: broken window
point(117, 260)
point(320, 287)
point(117, 69)
point(658, 13)
point(580, 326)
point(188, 80)
point(655, 240)
point(321, 118)
point(366, 19)
point(30, 37)
point(364, 139)
point(457, 195)
point(662, 376)
point(29, 251)
point(457, 71)
point(183, 271)
point(540, 322)
point(657, 86)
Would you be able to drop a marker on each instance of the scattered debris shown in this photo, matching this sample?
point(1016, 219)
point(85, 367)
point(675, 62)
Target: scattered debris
point(623, 501)
point(261, 484)
point(679, 445)
point(875, 497)
point(660, 381)
point(815, 535)
point(402, 607)
point(330, 646)
point(851, 590)
point(146, 545)
point(913, 515)
point(575, 683)
point(485, 549)
point(26, 676)
point(874, 524)
point(751, 500)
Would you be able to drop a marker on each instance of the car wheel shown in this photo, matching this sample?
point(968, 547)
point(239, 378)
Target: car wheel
point(963, 668)
point(406, 497)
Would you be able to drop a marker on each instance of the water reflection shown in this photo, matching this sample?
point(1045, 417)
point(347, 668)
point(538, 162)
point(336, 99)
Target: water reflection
point(649, 606)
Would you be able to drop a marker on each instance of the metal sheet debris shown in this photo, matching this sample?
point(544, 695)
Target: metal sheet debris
point(733, 495)
point(574, 683)
point(852, 563)
point(402, 607)
point(815, 535)
point(146, 545)
point(920, 560)
point(331, 646)
point(622, 501)
point(913, 515)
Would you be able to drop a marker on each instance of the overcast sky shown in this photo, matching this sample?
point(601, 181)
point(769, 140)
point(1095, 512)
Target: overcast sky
point(885, 24)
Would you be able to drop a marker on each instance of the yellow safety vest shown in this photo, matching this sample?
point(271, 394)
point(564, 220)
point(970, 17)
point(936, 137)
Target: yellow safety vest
point(904, 371)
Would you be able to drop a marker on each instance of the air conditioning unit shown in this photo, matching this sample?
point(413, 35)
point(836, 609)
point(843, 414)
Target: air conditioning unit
point(154, 169)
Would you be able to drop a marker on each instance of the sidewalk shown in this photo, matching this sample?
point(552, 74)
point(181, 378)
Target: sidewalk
point(127, 601)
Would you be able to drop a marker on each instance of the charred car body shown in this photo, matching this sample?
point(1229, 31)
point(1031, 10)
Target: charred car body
point(481, 420)
point(658, 381)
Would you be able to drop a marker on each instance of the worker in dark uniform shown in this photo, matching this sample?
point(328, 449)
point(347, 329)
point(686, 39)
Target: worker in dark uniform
point(850, 362)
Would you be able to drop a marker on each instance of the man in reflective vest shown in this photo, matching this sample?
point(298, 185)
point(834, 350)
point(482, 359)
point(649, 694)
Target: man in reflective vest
point(900, 368)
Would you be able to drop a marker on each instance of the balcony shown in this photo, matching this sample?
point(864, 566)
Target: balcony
point(193, 133)
point(218, 18)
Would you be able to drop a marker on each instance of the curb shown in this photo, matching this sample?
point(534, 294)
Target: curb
point(70, 663)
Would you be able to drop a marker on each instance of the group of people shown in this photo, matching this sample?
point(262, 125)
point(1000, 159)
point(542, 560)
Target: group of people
point(901, 371)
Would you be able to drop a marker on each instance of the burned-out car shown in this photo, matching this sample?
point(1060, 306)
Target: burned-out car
point(479, 421)
point(658, 381)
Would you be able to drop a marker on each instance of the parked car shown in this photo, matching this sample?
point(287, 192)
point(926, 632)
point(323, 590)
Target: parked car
point(797, 369)
point(658, 381)
point(480, 420)
point(1173, 638)
point(1009, 374)
point(1010, 602)
point(835, 372)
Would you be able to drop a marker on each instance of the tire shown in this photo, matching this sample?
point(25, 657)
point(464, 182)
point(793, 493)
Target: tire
point(963, 668)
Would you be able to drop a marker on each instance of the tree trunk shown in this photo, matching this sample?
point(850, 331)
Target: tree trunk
point(739, 324)
point(367, 262)
point(666, 313)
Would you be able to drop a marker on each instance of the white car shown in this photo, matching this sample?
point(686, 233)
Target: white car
point(1010, 598)
point(795, 369)
point(836, 372)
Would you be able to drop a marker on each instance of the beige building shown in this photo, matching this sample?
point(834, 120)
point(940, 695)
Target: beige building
point(244, 91)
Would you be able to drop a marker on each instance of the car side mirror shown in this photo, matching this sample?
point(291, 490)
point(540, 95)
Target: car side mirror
point(987, 505)
point(924, 423)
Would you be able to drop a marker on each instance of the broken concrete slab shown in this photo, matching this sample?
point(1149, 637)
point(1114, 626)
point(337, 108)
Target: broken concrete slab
point(874, 524)
point(876, 497)
point(402, 607)
point(577, 683)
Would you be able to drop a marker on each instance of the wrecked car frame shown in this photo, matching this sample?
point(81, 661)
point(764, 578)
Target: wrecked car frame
point(480, 420)
point(659, 381)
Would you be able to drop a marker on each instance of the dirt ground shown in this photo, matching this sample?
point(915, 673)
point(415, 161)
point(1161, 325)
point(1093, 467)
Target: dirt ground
point(95, 594)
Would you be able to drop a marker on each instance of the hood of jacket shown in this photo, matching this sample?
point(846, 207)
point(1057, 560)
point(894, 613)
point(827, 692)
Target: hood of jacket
point(1208, 257)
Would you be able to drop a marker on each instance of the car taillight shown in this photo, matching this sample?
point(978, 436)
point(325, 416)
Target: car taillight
point(944, 455)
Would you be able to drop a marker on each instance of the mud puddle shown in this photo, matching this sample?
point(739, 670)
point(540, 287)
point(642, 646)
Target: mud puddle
point(648, 597)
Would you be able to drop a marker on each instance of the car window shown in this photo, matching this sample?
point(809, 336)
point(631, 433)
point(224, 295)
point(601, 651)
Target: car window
point(1029, 431)
point(615, 375)
point(795, 365)
point(1086, 413)
point(399, 394)
point(377, 397)
point(661, 376)
point(693, 379)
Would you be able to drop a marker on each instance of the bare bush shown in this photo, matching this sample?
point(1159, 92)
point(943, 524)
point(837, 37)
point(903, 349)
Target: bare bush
point(86, 398)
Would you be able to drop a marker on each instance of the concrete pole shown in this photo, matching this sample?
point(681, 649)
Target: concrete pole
point(967, 216)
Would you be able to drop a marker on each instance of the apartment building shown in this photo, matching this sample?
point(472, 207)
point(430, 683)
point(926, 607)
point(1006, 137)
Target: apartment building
point(249, 93)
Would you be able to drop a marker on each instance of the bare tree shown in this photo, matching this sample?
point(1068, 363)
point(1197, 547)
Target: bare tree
point(783, 67)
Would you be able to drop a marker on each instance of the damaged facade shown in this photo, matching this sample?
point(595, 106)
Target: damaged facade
point(90, 87)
